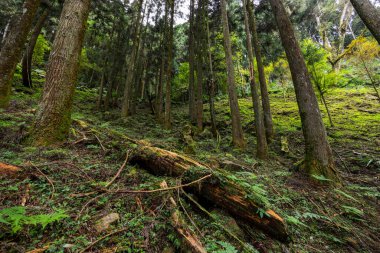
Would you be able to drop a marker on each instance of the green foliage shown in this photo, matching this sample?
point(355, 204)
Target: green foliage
point(321, 178)
point(41, 48)
point(353, 211)
point(181, 80)
point(294, 221)
point(16, 218)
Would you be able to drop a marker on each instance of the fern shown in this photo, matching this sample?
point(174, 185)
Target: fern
point(16, 218)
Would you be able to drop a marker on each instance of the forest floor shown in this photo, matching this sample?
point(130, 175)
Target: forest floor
point(319, 218)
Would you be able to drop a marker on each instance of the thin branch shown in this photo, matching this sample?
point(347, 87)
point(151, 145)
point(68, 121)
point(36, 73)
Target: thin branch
point(119, 171)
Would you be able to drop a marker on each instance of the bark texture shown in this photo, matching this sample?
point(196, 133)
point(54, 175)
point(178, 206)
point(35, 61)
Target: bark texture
point(268, 122)
point(169, 71)
point(217, 189)
point(262, 146)
point(370, 16)
point(12, 47)
point(192, 112)
point(28, 55)
point(237, 130)
point(54, 115)
point(318, 154)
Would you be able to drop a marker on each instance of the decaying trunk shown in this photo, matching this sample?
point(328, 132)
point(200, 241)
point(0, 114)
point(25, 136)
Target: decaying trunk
point(191, 240)
point(54, 114)
point(226, 194)
point(12, 47)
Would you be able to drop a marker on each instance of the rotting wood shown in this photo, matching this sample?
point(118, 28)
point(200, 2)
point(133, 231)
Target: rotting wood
point(191, 240)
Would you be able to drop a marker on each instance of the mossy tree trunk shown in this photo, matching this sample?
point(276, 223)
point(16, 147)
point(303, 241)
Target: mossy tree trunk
point(28, 55)
point(169, 70)
point(318, 154)
point(268, 122)
point(53, 118)
point(262, 146)
point(132, 61)
point(370, 16)
point(192, 112)
point(12, 47)
point(237, 130)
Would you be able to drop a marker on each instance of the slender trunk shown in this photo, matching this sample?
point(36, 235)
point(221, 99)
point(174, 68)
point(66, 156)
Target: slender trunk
point(370, 16)
point(192, 111)
point(344, 25)
point(160, 88)
point(128, 88)
point(318, 156)
point(12, 47)
point(237, 130)
point(28, 55)
point(169, 71)
point(100, 97)
point(54, 114)
point(262, 146)
point(370, 78)
point(214, 130)
point(200, 43)
point(268, 122)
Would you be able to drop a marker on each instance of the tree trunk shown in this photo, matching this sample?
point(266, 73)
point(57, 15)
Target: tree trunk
point(211, 85)
point(54, 114)
point(128, 88)
point(200, 43)
point(12, 47)
point(169, 71)
point(28, 55)
point(217, 189)
point(237, 130)
point(192, 111)
point(268, 122)
point(100, 96)
point(318, 158)
point(262, 146)
point(370, 16)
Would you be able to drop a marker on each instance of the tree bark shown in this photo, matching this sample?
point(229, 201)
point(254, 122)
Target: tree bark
point(237, 130)
point(262, 146)
point(318, 155)
point(53, 118)
point(217, 189)
point(268, 122)
point(169, 71)
point(214, 130)
point(28, 55)
point(192, 111)
point(12, 47)
point(370, 16)
point(128, 88)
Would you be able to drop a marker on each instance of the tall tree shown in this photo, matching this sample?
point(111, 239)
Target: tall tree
point(28, 55)
point(262, 146)
point(132, 59)
point(237, 130)
point(54, 114)
point(12, 47)
point(268, 122)
point(370, 16)
point(318, 156)
point(169, 71)
point(192, 111)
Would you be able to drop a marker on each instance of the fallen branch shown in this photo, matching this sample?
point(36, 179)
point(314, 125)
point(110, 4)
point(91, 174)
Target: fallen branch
point(47, 178)
point(119, 171)
point(191, 240)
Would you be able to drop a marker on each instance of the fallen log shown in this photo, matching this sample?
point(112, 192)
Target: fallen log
point(8, 170)
point(217, 189)
point(191, 240)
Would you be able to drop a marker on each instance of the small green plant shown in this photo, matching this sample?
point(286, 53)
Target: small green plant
point(16, 218)
point(353, 211)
